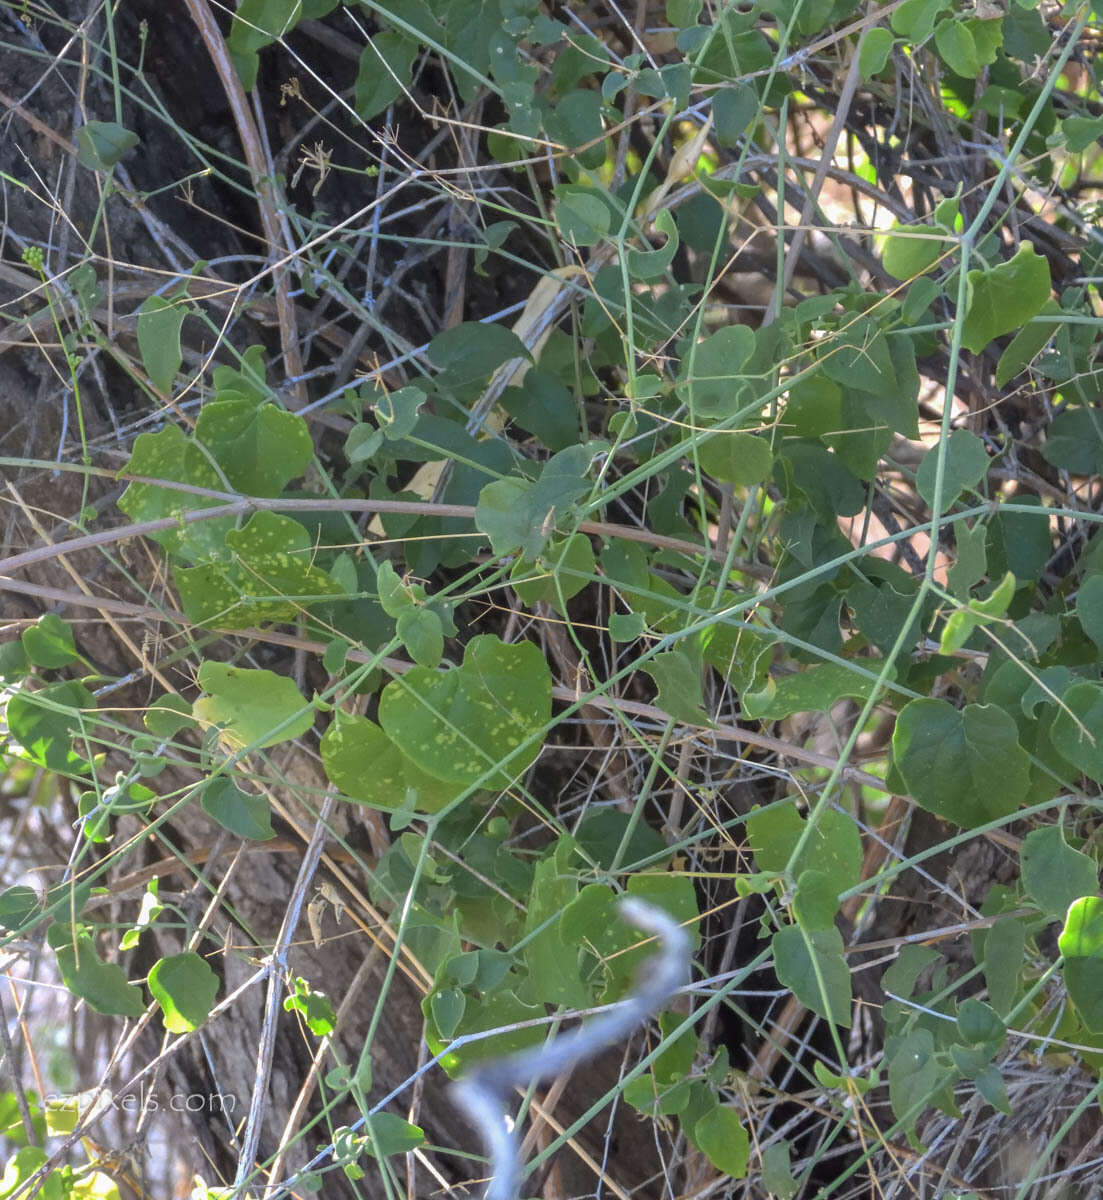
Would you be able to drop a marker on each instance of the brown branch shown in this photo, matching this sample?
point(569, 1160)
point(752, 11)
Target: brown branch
point(262, 173)
point(239, 504)
point(611, 704)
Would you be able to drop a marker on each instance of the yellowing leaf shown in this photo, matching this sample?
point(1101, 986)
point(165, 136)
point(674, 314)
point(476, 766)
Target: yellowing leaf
point(253, 708)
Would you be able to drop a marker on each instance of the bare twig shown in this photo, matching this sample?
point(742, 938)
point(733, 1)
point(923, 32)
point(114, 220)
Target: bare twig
point(264, 184)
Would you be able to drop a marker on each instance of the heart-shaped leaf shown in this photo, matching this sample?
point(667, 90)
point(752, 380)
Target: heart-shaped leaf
point(185, 987)
point(253, 708)
point(457, 726)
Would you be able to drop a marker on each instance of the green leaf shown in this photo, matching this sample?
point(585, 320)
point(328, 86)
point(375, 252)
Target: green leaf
point(17, 906)
point(447, 1006)
point(654, 1099)
point(1081, 132)
point(966, 466)
point(102, 986)
point(159, 322)
point(1089, 608)
point(1053, 873)
point(260, 449)
point(253, 708)
point(674, 894)
point(815, 407)
point(367, 766)
point(246, 380)
point(185, 987)
point(497, 1009)
point(602, 832)
point(20, 1167)
point(676, 1060)
point(471, 352)
point(549, 578)
point(910, 250)
point(168, 454)
point(857, 356)
point(713, 389)
point(13, 662)
point(875, 50)
point(967, 766)
point(314, 1007)
point(545, 408)
point(1021, 542)
point(829, 486)
point(915, 19)
point(816, 900)
point(811, 965)
point(385, 69)
point(1077, 730)
point(1025, 346)
point(720, 1136)
point(43, 723)
point(652, 264)
point(1081, 942)
point(1082, 935)
point(516, 514)
point(1074, 441)
point(678, 678)
point(733, 108)
point(257, 23)
point(100, 144)
point(741, 459)
point(551, 961)
point(591, 922)
point(421, 632)
point(49, 642)
point(915, 1075)
point(987, 37)
point(815, 689)
point(271, 577)
point(61, 1114)
point(972, 558)
point(504, 514)
point(626, 627)
point(1005, 297)
point(244, 815)
point(583, 218)
point(882, 614)
point(957, 47)
point(979, 1023)
point(389, 1134)
point(834, 845)
point(1003, 960)
point(777, 1172)
point(576, 123)
point(963, 621)
point(394, 596)
point(989, 1083)
point(397, 412)
point(167, 715)
point(363, 443)
point(457, 725)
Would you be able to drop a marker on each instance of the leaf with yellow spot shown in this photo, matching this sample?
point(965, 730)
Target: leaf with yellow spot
point(271, 577)
point(461, 726)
